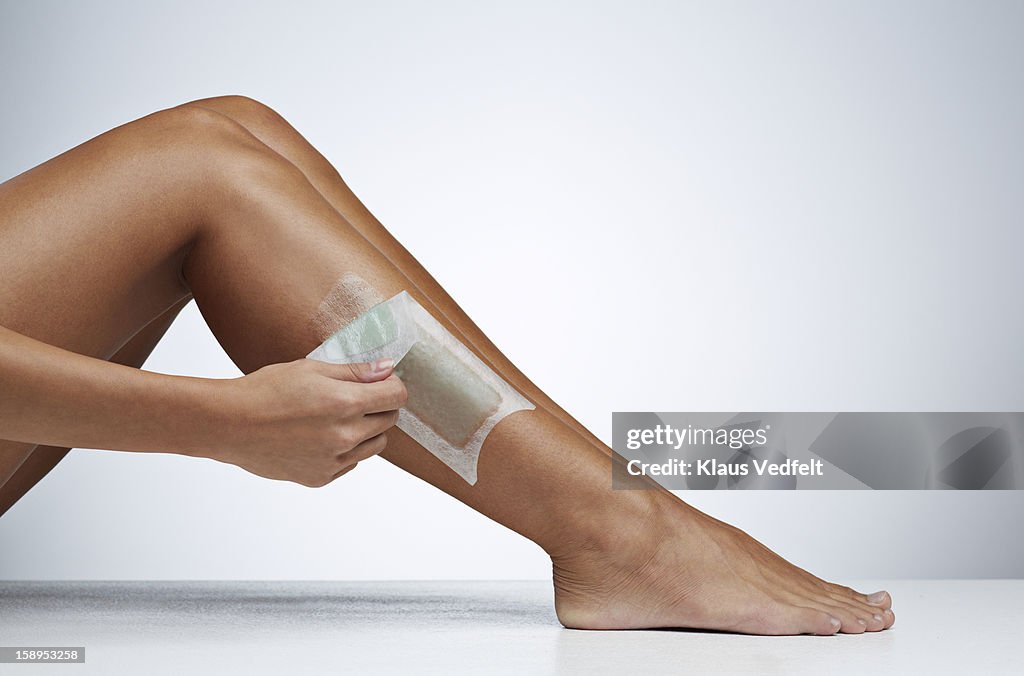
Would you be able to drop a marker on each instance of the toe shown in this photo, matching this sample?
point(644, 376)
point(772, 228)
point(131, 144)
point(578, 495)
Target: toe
point(877, 621)
point(817, 622)
point(784, 619)
point(871, 608)
point(880, 599)
point(852, 621)
point(871, 617)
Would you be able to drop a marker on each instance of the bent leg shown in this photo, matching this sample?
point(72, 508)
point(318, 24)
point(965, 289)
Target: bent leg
point(165, 208)
point(273, 130)
point(37, 461)
point(622, 559)
point(91, 245)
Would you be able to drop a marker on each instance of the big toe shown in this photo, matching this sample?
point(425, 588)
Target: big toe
point(880, 599)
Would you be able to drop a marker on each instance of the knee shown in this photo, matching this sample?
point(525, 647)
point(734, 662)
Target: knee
point(202, 132)
point(221, 150)
point(251, 113)
point(268, 126)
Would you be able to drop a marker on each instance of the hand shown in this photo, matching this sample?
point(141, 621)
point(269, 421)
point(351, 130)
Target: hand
point(309, 421)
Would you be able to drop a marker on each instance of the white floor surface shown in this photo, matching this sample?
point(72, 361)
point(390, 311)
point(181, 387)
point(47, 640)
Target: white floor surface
point(255, 628)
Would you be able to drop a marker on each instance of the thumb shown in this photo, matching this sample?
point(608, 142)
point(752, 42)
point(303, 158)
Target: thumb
point(364, 373)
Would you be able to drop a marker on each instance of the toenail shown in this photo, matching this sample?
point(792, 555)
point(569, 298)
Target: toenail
point(877, 597)
point(835, 623)
point(863, 623)
point(878, 618)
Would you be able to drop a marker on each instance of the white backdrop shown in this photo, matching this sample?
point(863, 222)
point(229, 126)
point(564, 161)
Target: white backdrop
point(648, 206)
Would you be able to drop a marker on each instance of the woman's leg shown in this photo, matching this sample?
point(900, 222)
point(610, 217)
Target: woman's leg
point(37, 461)
point(58, 233)
point(273, 130)
point(260, 247)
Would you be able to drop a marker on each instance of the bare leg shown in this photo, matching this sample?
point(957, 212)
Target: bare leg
point(204, 206)
point(273, 130)
point(37, 461)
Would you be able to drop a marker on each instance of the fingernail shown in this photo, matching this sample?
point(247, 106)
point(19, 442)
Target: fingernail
point(835, 623)
point(382, 365)
point(877, 597)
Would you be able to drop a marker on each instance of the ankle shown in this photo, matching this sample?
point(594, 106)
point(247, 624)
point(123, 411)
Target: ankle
point(622, 524)
point(620, 555)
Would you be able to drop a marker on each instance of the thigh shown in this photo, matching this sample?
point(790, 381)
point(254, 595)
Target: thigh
point(92, 241)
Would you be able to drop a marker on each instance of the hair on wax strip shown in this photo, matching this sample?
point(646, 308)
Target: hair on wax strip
point(455, 400)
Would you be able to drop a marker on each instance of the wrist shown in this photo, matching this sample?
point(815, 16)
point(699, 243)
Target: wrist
point(210, 418)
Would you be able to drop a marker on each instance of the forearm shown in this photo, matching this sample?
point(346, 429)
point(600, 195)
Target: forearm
point(55, 397)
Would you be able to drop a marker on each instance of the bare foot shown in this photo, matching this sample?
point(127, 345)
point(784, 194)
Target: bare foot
point(684, 569)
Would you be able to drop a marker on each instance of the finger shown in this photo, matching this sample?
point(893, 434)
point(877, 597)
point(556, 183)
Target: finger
point(373, 424)
point(386, 395)
point(366, 449)
point(360, 373)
